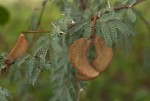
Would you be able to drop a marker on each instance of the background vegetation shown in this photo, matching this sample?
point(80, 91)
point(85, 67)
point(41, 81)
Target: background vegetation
point(127, 79)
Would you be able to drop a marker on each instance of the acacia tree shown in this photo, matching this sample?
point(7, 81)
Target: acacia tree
point(78, 49)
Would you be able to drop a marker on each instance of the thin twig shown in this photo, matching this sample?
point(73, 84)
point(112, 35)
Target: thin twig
point(80, 90)
point(93, 27)
point(24, 32)
point(128, 6)
point(41, 14)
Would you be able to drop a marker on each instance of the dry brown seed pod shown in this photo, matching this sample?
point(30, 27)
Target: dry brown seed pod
point(104, 54)
point(20, 48)
point(78, 56)
point(83, 78)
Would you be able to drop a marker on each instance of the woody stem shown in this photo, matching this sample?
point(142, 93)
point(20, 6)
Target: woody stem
point(93, 27)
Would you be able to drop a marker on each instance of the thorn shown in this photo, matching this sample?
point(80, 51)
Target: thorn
point(63, 14)
point(99, 14)
point(81, 89)
point(62, 32)
point(53, 25)
point(73, 22)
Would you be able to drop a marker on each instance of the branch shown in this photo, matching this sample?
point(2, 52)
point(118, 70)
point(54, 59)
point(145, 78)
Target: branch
point(41, 14)
point(93, 27)
point(116, 9)
point(127, 6)
point(24, 32)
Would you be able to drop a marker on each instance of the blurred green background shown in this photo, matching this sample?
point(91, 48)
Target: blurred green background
point(127, 79)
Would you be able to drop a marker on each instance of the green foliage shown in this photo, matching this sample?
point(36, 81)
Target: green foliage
point(78, 26)
point(62, 72)
point(113, 23)
point(87, 30)
point(131, 15)
point(50, 51)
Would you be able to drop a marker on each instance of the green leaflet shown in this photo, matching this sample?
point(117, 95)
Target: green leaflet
point(63, 40)
point(123, 28)
point(42, 55)
point(30, 65)
point(55, 51)
point(131, 15)
point(35, 75)
point(51, 55)
point(41, 42)
point(113, 32)
point(78, 26)
point(110, 16)
point(106, 34)
point(55, 44)
point(87, 30)
point(22, 59)
point(98, 27)
point(33, 69)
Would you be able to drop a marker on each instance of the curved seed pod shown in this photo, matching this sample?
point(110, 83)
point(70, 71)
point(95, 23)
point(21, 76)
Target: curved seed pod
point(104, 54)
point(84, 78)
point(20, 48)
point(78, 56)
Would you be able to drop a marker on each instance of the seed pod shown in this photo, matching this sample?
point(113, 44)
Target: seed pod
point(83, 78)
point(104, 54)
point(20, 48)
point(78, 56)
